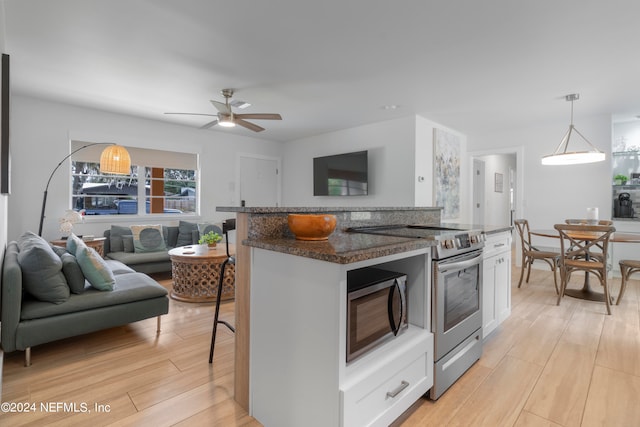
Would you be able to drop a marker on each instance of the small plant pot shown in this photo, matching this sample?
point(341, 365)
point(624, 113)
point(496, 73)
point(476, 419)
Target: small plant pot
point(212, 245)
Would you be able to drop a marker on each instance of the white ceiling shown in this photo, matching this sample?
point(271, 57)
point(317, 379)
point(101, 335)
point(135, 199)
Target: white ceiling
point(474, 66)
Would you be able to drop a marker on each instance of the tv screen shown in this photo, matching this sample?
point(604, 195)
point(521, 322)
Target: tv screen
point(341, 175)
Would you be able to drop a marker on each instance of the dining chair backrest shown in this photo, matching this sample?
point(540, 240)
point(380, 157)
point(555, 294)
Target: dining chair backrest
point(522, 225)
point(579, 240)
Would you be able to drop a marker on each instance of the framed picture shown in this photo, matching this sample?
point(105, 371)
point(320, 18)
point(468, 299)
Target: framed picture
point(4, 127)
point(499, 182)
point(446, 171)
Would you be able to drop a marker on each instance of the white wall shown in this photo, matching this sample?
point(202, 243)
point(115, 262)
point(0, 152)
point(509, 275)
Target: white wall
point(41, 131)
point(400, 151)
point(553, 193)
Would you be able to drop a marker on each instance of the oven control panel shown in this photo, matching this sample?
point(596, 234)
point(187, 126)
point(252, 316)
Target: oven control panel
point(452, 245)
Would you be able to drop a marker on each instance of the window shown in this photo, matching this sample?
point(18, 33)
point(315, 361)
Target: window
point(167, 187)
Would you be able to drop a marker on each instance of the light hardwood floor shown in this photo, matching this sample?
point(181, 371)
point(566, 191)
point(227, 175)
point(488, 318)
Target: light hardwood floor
point(546, 365)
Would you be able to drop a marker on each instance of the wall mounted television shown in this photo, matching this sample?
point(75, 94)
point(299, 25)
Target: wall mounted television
point(341, 175)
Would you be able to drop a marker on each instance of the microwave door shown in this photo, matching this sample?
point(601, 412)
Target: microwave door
point(396, 316)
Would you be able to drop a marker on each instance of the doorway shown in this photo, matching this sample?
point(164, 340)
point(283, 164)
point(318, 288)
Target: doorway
point(259, 180)
point(497, 197)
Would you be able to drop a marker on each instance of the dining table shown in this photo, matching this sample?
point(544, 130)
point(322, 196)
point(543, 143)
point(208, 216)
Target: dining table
point(586, 292)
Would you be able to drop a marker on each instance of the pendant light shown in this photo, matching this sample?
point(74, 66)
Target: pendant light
point(562, 155)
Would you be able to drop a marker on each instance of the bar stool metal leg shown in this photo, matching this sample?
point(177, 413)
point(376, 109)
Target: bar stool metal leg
point(217, 312)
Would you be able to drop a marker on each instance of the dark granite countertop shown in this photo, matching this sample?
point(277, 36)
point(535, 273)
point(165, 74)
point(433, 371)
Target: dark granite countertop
point(268, 230)
point(342, 248)
point(347, 248)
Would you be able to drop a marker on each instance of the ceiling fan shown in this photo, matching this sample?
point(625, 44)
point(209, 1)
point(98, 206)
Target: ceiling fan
point(227, 118)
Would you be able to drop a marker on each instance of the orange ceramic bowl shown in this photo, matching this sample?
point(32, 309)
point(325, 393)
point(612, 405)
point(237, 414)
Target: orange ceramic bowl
point(311, 226)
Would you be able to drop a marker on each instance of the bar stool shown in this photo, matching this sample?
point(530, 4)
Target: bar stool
point(627, 268)
point(227, 226)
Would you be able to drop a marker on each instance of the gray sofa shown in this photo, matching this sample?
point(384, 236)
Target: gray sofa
point(119, 245)
point(52, 312)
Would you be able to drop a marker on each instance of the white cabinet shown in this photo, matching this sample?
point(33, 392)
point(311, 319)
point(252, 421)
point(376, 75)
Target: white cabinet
point(298, 369)
point(496, 281)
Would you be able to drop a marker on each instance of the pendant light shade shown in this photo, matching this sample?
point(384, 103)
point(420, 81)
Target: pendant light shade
point(115, 159)
point(563, 156)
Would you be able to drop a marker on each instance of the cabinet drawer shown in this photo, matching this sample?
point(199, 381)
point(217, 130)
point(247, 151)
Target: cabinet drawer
point(362, 405)
point(496, 244)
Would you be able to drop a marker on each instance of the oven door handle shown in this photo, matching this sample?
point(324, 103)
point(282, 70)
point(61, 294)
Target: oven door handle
point(459, 265)
point(395, 327)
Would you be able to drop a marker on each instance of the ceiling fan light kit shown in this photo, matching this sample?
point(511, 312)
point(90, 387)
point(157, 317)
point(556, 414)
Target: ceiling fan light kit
point(562, 156)
point(227, 118)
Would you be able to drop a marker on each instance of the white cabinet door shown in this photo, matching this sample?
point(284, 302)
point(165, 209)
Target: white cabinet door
point(496, 282)
point(503, 286)
point(489, 314)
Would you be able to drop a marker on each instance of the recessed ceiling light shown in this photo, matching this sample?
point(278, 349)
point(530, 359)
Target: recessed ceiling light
point(390, 107)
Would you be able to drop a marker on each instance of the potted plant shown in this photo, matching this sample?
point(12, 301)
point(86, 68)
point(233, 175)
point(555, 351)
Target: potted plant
point(620, 179)
point(210, 238)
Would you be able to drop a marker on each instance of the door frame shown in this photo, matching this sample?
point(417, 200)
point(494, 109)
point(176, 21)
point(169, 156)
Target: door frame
point(278, 161)
point(518, 151)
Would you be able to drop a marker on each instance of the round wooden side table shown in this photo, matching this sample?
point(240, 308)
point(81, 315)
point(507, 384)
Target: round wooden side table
point(196, 272)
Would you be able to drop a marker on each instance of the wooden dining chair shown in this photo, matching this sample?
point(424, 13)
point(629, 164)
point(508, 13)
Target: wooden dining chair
point(627, 268)
point(578, 243)
point(586, 222)
point(530, 253)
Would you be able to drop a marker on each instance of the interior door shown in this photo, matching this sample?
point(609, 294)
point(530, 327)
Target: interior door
point(478, 191)
point(259, 181)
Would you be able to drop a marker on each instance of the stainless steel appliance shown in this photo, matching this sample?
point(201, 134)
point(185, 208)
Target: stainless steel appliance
point(376, 308)
point(623, 206)
point(456, 312)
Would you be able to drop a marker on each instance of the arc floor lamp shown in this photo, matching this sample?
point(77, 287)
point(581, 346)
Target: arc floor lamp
point(114, 159)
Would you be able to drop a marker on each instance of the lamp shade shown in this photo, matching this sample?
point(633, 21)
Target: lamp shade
point(115, 159)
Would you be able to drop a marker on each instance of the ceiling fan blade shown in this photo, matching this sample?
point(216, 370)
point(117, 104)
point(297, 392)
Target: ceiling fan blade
point(196, 114)
point(260, 116)
point(247, 125)
point(210, 124)
point(221, 106)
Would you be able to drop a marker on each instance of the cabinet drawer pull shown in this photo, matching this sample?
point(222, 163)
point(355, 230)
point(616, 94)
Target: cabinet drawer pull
point(394, 393)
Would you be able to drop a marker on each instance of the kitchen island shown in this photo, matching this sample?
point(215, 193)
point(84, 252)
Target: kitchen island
point(290, 319)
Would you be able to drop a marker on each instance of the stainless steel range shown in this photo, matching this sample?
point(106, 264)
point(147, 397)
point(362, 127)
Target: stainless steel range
point(456, 312)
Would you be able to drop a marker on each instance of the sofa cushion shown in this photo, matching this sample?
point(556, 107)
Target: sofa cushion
point(41, 268)
point(95, 269)
point(127, 242)
point(148, 238)
point(73, 273)
point(206, 227)
point(71, 270)
point(139, 258)
point(185, 233)
point(129, 287)
point(73, 243)
point(117, 267)
point(116, 237)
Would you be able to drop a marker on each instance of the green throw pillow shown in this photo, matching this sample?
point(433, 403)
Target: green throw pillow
point(204, 228)
point(148, 238)
point(41, 267)
point(73, 243)
point(95, 269)
point(116, 238)
point(73, 273)
point(127, 242)
point(185, 233)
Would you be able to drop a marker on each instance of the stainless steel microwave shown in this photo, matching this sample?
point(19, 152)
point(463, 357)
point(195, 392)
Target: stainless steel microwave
point(376, 308)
